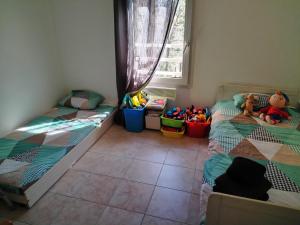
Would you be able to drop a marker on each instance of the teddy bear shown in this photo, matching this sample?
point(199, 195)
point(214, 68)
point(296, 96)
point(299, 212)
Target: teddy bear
point(248, 105)
point(275, 112)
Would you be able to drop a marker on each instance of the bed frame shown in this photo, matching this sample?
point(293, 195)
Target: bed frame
point(39, 188)
point(223, 209)
point(226, 91)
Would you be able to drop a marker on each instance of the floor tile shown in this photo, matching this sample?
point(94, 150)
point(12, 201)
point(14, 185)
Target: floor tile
point(132, 196)
point(182, 157)
point(123, 147)
point(202, 157)
point(117, 131)
point(143, 171)
point(79, 212)
point(45, 210)
point(188, 143)
point(194, 215)
point(89, 161)
point(175, 177)
point(70, 183)
point(150, 220)
point(152, 153)
point(203, 143)
point(104, 164)
point(87, 186)
point(169, 204)
point(150, 137)
point(114, 216)
point(98, 189)
point(197, 181)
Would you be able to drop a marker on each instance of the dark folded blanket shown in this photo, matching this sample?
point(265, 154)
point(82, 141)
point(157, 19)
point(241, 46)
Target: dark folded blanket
point(244, 178)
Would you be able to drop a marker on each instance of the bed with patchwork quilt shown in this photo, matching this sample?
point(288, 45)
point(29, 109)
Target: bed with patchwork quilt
point(277, 147)
point(29, 152)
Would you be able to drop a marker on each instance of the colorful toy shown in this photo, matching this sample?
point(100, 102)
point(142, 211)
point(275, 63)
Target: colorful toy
point(138, 100)
point(248, 105)
point(198, 114)
point(176, 113)
point(275, 112)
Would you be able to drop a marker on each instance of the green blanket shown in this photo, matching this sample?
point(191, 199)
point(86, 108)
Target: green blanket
point(31, 150)
point(275, 146)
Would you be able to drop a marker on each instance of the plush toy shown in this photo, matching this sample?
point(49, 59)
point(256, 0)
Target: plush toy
point(248, 105)
point(275, 112)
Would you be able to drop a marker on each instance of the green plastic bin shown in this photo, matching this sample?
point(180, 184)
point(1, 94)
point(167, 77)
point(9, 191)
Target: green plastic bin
point(171, 122)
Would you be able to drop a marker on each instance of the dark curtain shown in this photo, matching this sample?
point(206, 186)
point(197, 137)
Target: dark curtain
point(121, 51)
point(121, 46)
point(142, 28)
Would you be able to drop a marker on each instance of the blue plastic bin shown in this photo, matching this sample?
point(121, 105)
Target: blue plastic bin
point(134, 119)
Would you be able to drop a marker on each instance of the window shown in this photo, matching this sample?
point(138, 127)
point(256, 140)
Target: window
point(172, 69)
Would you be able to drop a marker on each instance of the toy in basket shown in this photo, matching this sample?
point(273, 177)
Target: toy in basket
point(174, 117)
point(198, 121)
point(134, 111)
point(173, 122)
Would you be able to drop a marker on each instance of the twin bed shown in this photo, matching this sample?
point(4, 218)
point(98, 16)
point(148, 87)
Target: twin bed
point(277, 147)
point(36, 155)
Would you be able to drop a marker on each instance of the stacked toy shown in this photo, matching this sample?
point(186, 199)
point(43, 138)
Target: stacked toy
point(173, 122)
point(176, 113)
point(139, 100)
point(198, 121)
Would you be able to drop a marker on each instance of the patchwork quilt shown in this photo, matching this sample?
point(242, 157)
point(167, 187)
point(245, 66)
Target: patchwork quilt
point(277, 147)
point(30, 151)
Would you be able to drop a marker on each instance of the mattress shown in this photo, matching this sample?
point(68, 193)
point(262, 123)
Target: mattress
point(277, 147)
point(30, 151)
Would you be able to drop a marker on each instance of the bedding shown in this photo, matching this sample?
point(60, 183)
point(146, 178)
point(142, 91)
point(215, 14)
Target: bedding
point(262, 100)
point(277, 147)
point(30, 151)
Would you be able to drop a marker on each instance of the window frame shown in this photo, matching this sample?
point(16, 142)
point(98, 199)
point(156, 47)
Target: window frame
point(174, 82)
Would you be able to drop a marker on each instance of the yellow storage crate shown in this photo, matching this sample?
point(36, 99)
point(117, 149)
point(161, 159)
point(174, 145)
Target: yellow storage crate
point(172, 134)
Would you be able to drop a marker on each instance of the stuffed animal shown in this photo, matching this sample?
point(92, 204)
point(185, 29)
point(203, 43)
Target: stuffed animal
point(275, 112)
point(248, 105)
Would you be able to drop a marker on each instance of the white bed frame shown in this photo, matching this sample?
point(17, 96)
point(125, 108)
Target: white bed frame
point(226, 91)
point(223, 209)
point(39, 188)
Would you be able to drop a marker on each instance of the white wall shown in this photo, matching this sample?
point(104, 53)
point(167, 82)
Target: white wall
point(30, 76)
point(253, 41)
point(85, 31)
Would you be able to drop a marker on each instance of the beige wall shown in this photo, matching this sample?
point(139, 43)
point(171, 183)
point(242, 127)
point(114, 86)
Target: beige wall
point(30, 76)
point(253, 41)
point(85, 32)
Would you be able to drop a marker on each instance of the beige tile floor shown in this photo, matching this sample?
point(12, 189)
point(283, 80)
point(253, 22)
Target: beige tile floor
point(125, 179)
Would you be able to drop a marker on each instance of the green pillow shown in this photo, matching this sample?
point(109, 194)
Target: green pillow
point(238, 100)
point(82, 99)
point(261, 100)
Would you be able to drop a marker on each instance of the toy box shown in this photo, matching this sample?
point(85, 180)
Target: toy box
point(134, 119)
point(172, 132)
point(197, 129)
point(172, 122)
point(152, 120)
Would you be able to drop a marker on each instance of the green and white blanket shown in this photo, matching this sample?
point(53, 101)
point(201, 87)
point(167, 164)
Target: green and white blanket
point(277, 147)
point(31, 150)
